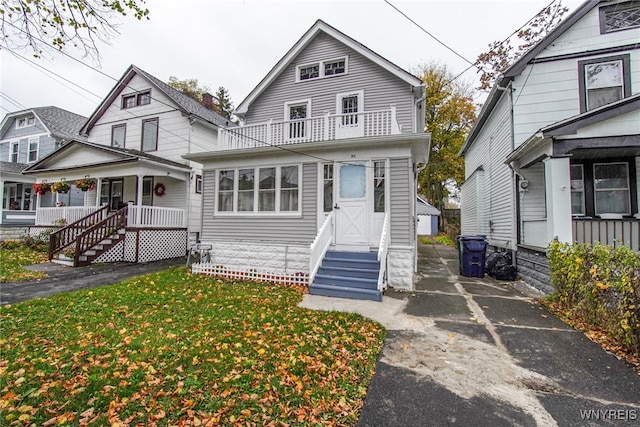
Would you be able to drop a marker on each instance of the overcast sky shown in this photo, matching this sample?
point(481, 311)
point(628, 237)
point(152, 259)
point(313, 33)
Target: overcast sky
point(235, 43)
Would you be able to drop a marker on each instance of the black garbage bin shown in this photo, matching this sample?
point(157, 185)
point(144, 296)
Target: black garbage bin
point(471, 255)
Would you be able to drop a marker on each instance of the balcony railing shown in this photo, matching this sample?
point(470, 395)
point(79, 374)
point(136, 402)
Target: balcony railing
point(613, 232)
point(70, 214)
point(155, 217)
point(325, 128)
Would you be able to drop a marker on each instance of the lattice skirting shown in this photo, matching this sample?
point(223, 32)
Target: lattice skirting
point(146, 245)
point(213, 269)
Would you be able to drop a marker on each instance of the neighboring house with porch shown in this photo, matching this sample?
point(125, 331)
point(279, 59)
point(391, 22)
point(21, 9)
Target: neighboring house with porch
point(318, 184)
point(555, 152)
point(133, 157)
point(26, 136)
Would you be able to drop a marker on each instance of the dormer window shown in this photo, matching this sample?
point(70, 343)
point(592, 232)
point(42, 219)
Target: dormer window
point(136, 99)
point(318, 70)
point(620, 16)
point(24, 122)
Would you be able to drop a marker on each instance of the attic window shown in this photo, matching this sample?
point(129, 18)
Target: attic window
point(621, 16)
point(321, 69)
point(24, 122)
point(136, 99)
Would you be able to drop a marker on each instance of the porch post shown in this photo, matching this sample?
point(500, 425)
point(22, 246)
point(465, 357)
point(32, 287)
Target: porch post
point(139, 200)
point(1, 195)
point(558, 192)
point(98, 191)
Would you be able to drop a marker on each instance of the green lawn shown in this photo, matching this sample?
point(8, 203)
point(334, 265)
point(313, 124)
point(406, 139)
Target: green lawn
point(174, 348)
point(13, 257)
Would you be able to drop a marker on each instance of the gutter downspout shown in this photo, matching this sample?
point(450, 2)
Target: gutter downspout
point(515, 209)
point(190, 176)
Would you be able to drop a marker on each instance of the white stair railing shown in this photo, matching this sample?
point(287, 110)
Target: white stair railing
point(320, 245)
point(383, 249)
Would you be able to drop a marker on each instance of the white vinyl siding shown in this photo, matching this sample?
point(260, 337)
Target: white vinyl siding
point(382, 89)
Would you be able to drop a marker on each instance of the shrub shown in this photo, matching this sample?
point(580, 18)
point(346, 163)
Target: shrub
point(599, 284)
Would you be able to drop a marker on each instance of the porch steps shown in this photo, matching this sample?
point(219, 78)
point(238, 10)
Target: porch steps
point(348, 275)
point(94, 252)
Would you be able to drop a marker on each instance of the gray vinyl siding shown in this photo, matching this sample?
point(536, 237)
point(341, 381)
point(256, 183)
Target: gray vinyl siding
point(260, 228)
point(13, 133)
point(46, 145)
point(381, 88)
point(400, 178)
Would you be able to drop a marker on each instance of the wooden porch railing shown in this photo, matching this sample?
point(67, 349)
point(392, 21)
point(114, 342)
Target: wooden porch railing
point(67, 235)
point(99, 232)
point(155, 217)
point(50, 216)
point(613, 232)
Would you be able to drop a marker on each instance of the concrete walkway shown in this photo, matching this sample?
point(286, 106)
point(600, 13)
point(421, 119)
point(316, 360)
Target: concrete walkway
point(477, 352)
point(66, 279)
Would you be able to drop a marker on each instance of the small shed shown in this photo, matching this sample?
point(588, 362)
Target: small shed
point(427, 218)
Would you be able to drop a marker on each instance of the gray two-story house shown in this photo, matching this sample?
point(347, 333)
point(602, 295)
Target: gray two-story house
point(26, 136)
point(318, 184)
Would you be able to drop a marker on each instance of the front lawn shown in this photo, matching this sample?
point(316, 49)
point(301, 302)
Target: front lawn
point(175, 348)
point(14, 256)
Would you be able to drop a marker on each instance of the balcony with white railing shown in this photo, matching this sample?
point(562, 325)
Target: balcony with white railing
point(328, 127)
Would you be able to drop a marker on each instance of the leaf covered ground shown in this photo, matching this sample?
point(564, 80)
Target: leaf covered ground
point(13, 257)
point(172, 348)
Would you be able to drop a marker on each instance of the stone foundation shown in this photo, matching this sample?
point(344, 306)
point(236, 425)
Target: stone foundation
point(400, 267)
point(273, 257)
point(13, 232)
point(533, 268)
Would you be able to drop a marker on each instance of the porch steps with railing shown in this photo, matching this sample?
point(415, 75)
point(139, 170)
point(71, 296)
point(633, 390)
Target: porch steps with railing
point(348, 275)
point(88, 256)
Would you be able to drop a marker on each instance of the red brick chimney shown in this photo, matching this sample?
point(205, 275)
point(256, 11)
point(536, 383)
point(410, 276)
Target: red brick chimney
point(207, 100)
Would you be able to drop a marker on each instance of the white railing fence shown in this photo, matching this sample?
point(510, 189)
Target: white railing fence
point(320, 245)
point(324, 128)
point(70, 214)
point(383, 250)
point(155, 217)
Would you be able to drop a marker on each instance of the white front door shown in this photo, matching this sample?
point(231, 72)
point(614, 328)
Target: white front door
point(352, 227)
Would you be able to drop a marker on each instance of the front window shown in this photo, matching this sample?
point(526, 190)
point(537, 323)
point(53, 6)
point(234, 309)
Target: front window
point(603, 81)
point(13, 153)
point(24, 122)
point(297, 113)
point(611, 188)
point(136, 99)
point(118, 135)
point(254, 190)
point(577, 190)
point(147, 191)
point(33, 150)
point(620, 16)
point(379, 172)
point(150, 135)
point(17, 197)
point(328, 187)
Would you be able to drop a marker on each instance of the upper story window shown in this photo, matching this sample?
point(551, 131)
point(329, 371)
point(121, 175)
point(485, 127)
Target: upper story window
point(621, 16)
point(150, 134)
point(296, 112)
point(321, 69)
point(136, 99)
point(33, 150)
point(274, 189)
point(118, 135)
point(13, 152)
point(603, 81)
point(24, 122)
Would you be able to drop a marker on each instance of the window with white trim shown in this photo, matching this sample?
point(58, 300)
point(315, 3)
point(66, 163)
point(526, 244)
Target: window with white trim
point(611, 188)
point(603, 81)
point(379, 193)
point(276, 190)
point(24, 122)
point(296, 113)
point(32, 156)
point(328, 187)
point(577, 190)
point(14, 150)
point(321, 69)
point(198, 184)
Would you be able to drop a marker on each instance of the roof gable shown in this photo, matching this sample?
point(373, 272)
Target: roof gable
point(303, 42)
point(182, 102)
point(59, 123)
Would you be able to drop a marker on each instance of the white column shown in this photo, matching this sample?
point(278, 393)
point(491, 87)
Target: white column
point(139, 200)
point(98, 191)
point(638, 181)
point(2, 196)
point(558, 193)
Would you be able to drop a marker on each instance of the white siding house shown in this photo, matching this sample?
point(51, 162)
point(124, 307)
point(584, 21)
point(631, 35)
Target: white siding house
point(554, 152)
point(323, 166)
point(133, 152)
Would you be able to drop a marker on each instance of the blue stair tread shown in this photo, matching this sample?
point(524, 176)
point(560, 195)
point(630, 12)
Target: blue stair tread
point(352, 255)
point(354, 282)
point(349, 271)
point(352, 263)
point(345, 292)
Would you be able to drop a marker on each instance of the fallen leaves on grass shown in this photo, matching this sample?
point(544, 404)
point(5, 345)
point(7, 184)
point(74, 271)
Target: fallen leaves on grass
point(175, 348)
